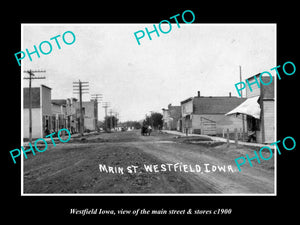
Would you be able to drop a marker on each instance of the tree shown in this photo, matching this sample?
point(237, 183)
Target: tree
point(134, 124)
point(111, 122)
point(154, 120)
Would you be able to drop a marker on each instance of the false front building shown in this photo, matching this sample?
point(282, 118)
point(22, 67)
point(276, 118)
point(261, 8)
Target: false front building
point(206, 115)
point(259, 109)
point(90, 115)
point(171, 116)
point(41, 111)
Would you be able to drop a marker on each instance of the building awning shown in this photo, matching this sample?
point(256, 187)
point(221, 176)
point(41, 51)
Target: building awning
point(249, 107)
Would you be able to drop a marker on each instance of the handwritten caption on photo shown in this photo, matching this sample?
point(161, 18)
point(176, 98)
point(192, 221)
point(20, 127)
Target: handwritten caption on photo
point(166, 167)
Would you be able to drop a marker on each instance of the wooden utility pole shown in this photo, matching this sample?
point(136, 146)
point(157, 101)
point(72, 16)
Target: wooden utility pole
point(117, 116)
point(243, 119)
point(111, 119)
point(31, 77)
point(105, 106)
point(80, 88)
point(97, 98)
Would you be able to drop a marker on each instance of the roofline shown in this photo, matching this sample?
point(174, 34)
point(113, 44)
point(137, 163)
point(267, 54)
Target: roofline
point(42, 85)
point(191, 98)
point(186, 100)
point(54, 103)
point(256, 76)
point(59, 99)
point(208, 113)
point(219, 97)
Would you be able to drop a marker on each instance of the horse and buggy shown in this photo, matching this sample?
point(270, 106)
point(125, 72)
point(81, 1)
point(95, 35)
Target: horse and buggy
point(146, 130)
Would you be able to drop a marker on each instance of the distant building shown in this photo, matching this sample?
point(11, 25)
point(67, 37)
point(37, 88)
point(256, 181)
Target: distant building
point(259, 109)
point(59, 114)
point(171, 117)
point(50, 116)
point(72, 107)
point(90, 112)
point(41, 111)
point(206, 115)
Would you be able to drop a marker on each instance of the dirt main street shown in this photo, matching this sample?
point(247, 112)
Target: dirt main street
point(121, 162)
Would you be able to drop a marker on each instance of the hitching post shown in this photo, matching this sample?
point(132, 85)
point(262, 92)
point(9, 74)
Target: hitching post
point(235, 136)
point(227, 138)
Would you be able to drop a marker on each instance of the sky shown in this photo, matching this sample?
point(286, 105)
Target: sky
point(137, 79)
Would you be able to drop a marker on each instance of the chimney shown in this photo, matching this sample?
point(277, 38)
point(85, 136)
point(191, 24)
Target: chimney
point(230, 94)
point(198, 93)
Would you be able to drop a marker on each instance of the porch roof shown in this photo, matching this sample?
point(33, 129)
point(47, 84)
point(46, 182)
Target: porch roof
point(249, 107)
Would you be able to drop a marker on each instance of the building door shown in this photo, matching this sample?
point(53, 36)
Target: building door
point(253, 126)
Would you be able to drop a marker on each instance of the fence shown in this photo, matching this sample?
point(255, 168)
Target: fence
point(233, 134)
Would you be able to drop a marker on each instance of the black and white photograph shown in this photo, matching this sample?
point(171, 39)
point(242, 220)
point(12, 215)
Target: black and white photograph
point(131, 109)
point(150, 112)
